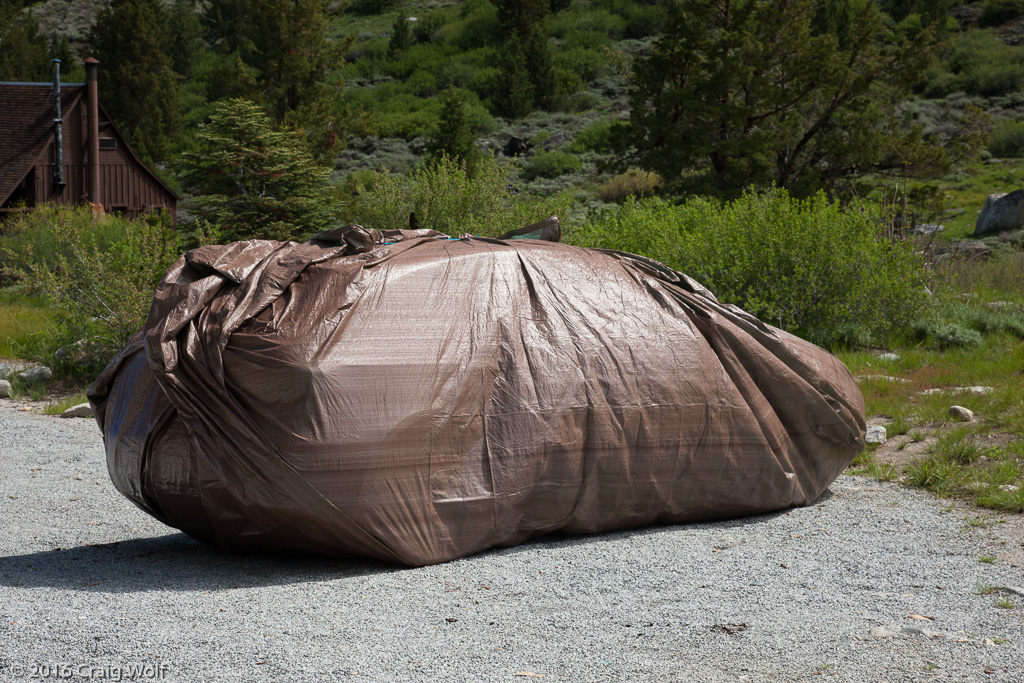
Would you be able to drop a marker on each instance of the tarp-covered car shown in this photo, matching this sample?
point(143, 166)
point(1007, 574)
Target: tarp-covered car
point(410, 397)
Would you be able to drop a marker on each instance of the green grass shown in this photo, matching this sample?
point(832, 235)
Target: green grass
point(968, 190)
point(1005, 603)
point(981, 461)
point(58, 407)
point(23, 321)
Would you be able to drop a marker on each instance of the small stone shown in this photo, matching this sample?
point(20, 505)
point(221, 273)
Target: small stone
point(5, 388)
point(961, 413)
point(1009, 487)
point(888, 356)
point(5, 369)
point(37, 374)
point(980, 390)
point(81, 410)
point(875, 435)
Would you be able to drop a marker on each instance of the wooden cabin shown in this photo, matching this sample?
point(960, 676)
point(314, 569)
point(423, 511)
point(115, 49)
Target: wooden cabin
point(71, 154)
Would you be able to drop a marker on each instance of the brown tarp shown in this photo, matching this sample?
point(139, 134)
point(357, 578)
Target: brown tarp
point(415, 398)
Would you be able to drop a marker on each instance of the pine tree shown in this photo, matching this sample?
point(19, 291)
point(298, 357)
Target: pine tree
point(23, 53)
point(745, 92)
point(280, 53)
point(525, 16)
point(138, 84)
point(284, 42)
point(186, 35)
point(401, 37)
point(253, 180)
point(541, 67)
point(454, 137)
point(514, 78)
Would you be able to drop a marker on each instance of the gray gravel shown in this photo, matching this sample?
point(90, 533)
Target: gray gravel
point(91, 587)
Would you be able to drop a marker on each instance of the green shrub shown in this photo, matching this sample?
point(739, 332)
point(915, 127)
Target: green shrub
point(551, 165)
point(977, 64)
point(1007, 139)
point(99, 276)
point(588, 64)
point(597, 137)
point(632, 183)
point(802, 265)
point(995, 12)
point(445, 198)
point(947, 335)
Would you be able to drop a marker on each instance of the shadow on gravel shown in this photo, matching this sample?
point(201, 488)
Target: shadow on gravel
point(173, 562)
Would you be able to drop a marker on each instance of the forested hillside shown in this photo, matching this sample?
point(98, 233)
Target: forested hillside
point(607, 97)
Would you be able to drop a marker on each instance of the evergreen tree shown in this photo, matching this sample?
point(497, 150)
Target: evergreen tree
point(23, 53)
point(742, 92)
point(138, 86)
point(186, 35)
point(59, 49)
point(401, 37)
point(524, 16)
point(514, 79)
point(280, 53)
point(283, 42)
point(255, 181)
point(929, 10)
point(454, 137)
point(541, 67)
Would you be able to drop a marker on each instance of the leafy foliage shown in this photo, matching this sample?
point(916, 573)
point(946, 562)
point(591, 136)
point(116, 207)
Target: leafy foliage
point(454, 137)
point(515, 85)
point(255, 181)
point(746, 92)
point(803, 265)
point(1007, 139)
point(140, 88)
point(632, 183)
point(100, 281)
point(976, 64)
point(446, 198)
point(552, 164)
point(23, 51)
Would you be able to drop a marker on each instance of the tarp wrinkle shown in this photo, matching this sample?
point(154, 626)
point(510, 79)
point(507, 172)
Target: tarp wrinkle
point(408, 397)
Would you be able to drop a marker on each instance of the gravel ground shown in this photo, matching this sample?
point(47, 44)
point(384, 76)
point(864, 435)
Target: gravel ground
point(872, 582)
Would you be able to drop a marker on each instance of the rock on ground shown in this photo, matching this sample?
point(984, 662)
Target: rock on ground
point(1002, 211)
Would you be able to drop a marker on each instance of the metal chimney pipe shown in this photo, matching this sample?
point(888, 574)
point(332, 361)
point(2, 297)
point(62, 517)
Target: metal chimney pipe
point(93, 129)
point(58, 130)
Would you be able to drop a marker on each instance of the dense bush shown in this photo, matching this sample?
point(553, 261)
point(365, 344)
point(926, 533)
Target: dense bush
point(977, 64)
point(995, 12)
point(803, 265)
point(551, 165)
point(597, 137)
point(632, 183)
point(445, 198)
point(99, 275)
point(1007, 139)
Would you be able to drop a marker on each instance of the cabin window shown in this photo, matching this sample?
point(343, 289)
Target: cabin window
point(108, 143)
